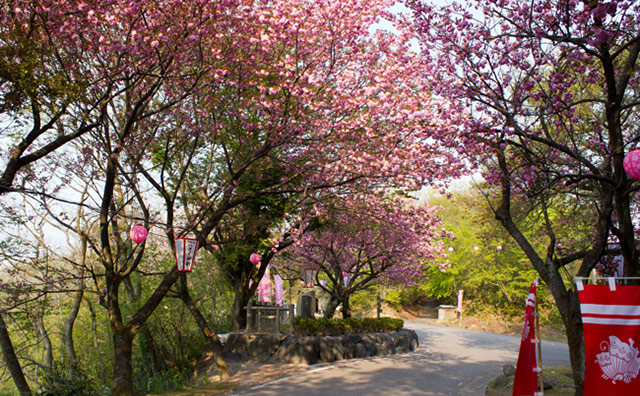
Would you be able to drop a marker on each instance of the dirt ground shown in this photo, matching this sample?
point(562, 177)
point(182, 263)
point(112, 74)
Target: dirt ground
point(243, 375)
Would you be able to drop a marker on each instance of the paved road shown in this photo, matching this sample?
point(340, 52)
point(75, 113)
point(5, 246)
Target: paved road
point(448, 361)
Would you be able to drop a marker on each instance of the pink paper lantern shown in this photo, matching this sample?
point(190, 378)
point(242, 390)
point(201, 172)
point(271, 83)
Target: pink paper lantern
point(138, 233)
point(631, 164)
point(254, 258)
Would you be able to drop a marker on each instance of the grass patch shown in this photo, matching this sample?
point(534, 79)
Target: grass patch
point(558, 376)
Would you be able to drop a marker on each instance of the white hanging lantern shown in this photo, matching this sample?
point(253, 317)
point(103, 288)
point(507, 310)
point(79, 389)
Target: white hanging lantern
point(185, 253)
point(309, 275)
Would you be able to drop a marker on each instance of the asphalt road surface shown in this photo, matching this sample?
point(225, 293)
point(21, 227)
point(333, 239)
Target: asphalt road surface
point(448, 361)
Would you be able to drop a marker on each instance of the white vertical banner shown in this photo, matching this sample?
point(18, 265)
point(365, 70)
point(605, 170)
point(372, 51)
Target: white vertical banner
point(309, 275)
point(346, 278)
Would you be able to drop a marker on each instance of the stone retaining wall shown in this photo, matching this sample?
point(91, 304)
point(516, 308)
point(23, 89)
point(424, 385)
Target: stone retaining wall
point(310, 350)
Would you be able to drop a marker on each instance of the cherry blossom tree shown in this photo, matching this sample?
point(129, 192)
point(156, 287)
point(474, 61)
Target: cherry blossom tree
point(342, 110)
point(193, 99)
point(551, 91)
point(359, 240)
point(54, 86)
point(104, 67)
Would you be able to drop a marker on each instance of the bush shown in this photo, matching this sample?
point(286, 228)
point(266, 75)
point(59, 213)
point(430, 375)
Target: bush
point(63, 380)
point(171, 379)
point(333, 327)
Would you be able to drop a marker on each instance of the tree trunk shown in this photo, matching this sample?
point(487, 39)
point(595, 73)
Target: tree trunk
point(566, 300)
point(11, 360)
point(68, 329)
point(94, 332)
point(122, 366)
point(331, 307)
point(239, 314)
point(575, 339)
point(212, 338)
point(41, 332)
point(569, 307)
point(147, 342)
point(346, 308)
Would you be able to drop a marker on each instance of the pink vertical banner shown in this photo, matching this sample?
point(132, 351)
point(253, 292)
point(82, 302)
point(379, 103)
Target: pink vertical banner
point(264, 288)
point(460, 294)
point(279, 290)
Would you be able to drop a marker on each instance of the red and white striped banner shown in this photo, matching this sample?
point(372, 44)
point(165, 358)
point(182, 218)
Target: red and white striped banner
point(525, 382)
point(611, 319)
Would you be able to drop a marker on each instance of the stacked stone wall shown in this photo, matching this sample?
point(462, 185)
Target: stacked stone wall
point(314, 349)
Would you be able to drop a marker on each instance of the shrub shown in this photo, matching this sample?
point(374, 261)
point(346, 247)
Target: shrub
point(324, 326)
point(63, 380)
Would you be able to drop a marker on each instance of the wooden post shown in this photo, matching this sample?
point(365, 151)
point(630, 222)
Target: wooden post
point(538, 349)
point(249, 307)
point(291, 314)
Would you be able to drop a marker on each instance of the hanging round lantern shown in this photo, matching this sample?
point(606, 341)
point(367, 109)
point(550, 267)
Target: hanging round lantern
point(631, 164)
point(254, 258)
point(138, 233)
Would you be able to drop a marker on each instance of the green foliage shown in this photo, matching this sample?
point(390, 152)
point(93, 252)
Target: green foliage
point(171, 333)
point(397, 298)
point(484, 261)
point(171, 379)
point(334, 327)
point(63, 380)
point(364, 301)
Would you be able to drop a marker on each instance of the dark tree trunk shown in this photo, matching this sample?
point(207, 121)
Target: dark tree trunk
point(122, 366)
point(11, 360)
point(346, 308)
point(566, 300)
point(41, 332)
point(212, 338)
point(147, 342)
point(68, 329)
point(239, 314)
point(569, 307)
point(575, 338)
point(331, 307)
point(94, 332)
